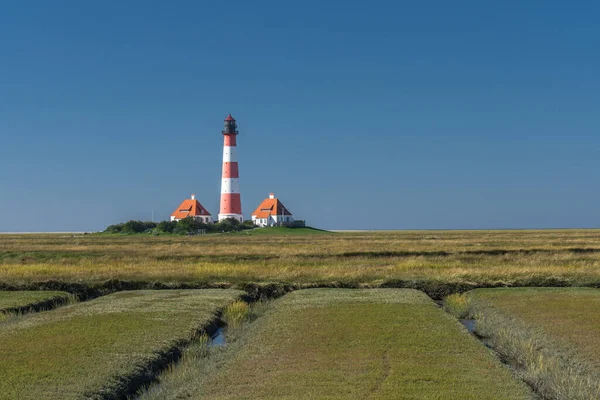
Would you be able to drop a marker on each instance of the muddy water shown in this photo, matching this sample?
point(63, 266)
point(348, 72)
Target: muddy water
point(470, 324)
point(218, 338)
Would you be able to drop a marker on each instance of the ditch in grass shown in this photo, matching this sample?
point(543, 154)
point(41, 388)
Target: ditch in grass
point(105, 348)
point(345, 344)
point(549, 335)
point(181, 379)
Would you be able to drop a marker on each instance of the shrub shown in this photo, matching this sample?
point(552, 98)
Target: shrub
point(228, 225)
point(248, 224)
point(137, 226)
point(189, 225)
point(457, 304)
point(166, 226)
point(236, 313)
point(117, 228)
point(184, 226)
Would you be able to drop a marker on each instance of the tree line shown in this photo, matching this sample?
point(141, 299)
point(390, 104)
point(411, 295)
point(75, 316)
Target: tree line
point(184, 226)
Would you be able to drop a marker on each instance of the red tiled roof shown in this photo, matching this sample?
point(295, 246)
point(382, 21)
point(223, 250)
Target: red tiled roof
point(270, 207)
point(229, 118)
point(190, 208)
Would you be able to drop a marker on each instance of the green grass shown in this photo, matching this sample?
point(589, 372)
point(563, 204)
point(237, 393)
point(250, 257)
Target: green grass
point(95, 349)
point(551, 335)
point(356, 344)
point(23, 300)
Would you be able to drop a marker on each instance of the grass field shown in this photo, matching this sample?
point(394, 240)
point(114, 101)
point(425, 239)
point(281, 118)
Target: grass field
point(306, 257)
point(23, 300)
point(96, 349)
point(361, 344)
point(551, 334)
point(355, 344)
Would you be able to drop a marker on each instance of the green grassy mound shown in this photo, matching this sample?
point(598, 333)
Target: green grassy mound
point(355, 344)
point(29, 299)
point(101, 348)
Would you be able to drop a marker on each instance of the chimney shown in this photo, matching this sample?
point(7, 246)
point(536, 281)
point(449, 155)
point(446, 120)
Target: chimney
point(271, 195)
point(193, 197)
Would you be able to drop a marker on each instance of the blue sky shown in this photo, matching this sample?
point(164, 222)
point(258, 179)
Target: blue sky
point(358, 115)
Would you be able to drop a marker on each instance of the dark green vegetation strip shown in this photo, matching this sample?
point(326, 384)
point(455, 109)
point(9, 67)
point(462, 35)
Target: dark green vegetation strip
point(102, 348)
point(24, 301)
point(358, 344)
point(552, 335)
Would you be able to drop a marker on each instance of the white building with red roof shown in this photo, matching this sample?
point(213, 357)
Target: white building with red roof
point(272, 212)
point(192, 208)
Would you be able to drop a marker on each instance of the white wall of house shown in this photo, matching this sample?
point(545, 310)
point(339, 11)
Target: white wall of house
point(272, 220)
point(206, 219)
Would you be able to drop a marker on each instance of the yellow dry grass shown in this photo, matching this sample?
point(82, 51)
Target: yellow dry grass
point(368, 258)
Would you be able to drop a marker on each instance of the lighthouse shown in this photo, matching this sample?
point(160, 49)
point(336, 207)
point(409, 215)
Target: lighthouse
point(231, 203)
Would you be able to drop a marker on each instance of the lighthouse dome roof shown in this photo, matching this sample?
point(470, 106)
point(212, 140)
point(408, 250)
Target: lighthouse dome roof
point(229, 118)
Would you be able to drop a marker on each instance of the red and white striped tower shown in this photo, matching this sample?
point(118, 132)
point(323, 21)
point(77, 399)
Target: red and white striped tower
point(231, 203)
